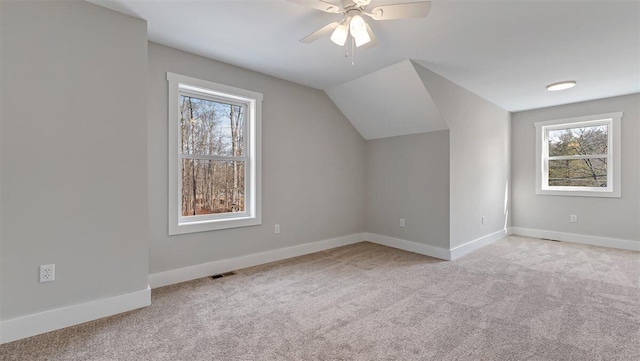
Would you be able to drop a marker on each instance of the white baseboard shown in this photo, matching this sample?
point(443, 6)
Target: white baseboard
point(206, 269)
point(578, 238)
point(437, 252)
point(477, 243)
point(420, 248)
point(35, 324)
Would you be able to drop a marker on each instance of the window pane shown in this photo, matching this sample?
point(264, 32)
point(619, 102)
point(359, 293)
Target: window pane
point(590, 140)
point(578, 172)
point(211, 128)
point(211, 186)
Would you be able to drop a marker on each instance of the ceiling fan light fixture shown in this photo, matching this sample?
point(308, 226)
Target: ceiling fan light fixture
point(561, 85)
point(357, 25)
point(339, 35)
point(353, 25)
point(361, 38)
point(358, 29)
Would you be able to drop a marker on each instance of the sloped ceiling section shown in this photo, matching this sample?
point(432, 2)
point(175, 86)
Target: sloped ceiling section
point(390, 102)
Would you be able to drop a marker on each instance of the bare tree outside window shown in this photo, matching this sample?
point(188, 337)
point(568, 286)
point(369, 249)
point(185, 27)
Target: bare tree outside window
point(212, 148)
point(578, 156)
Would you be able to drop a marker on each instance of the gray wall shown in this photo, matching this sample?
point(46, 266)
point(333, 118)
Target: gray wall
point(408, 177)
point(74, 154)
point(605, 217)
point(313, 166)
point(479, 143)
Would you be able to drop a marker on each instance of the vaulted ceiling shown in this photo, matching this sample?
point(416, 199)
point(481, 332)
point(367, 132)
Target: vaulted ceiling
point(505, 51)
point(406, 106)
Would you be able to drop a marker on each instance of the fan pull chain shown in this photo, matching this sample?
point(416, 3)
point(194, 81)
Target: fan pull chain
point(346, 49)
point(353, 51)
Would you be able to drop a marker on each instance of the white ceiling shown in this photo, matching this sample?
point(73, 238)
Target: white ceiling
point(504, 51)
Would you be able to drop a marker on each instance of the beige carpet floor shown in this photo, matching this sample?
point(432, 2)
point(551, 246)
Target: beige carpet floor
point(516, 299)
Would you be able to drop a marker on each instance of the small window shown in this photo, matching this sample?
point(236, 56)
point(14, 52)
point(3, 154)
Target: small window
point(214, 158)
point(579, 156)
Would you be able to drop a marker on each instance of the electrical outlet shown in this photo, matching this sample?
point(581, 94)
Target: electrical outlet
point(574, 218)
point(401, 222)
point(277, 229)
point(47, 273)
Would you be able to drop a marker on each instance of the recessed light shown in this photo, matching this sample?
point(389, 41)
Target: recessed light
point(561, 85)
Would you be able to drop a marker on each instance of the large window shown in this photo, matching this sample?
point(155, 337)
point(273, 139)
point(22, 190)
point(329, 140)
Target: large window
point(214, 158)
point(579, 156)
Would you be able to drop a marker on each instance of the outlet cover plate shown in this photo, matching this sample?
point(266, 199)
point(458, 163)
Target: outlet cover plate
point(47, 273)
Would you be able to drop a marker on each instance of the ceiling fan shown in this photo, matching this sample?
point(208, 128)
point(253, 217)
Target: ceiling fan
point(353, 23)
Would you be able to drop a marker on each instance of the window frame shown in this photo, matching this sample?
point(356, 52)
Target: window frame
point(613, 122)
point(252, 101)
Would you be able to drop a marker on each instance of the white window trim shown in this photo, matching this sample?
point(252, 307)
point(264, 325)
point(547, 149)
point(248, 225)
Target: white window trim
point(253, 193)
point(613, 189)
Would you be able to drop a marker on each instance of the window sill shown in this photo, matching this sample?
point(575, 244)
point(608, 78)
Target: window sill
point(598, 194)
point(212, 225)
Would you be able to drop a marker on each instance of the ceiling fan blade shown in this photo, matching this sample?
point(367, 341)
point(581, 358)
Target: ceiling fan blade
point(327, 7)
point(373, 42)
point(401, 11)
point(324, 31)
